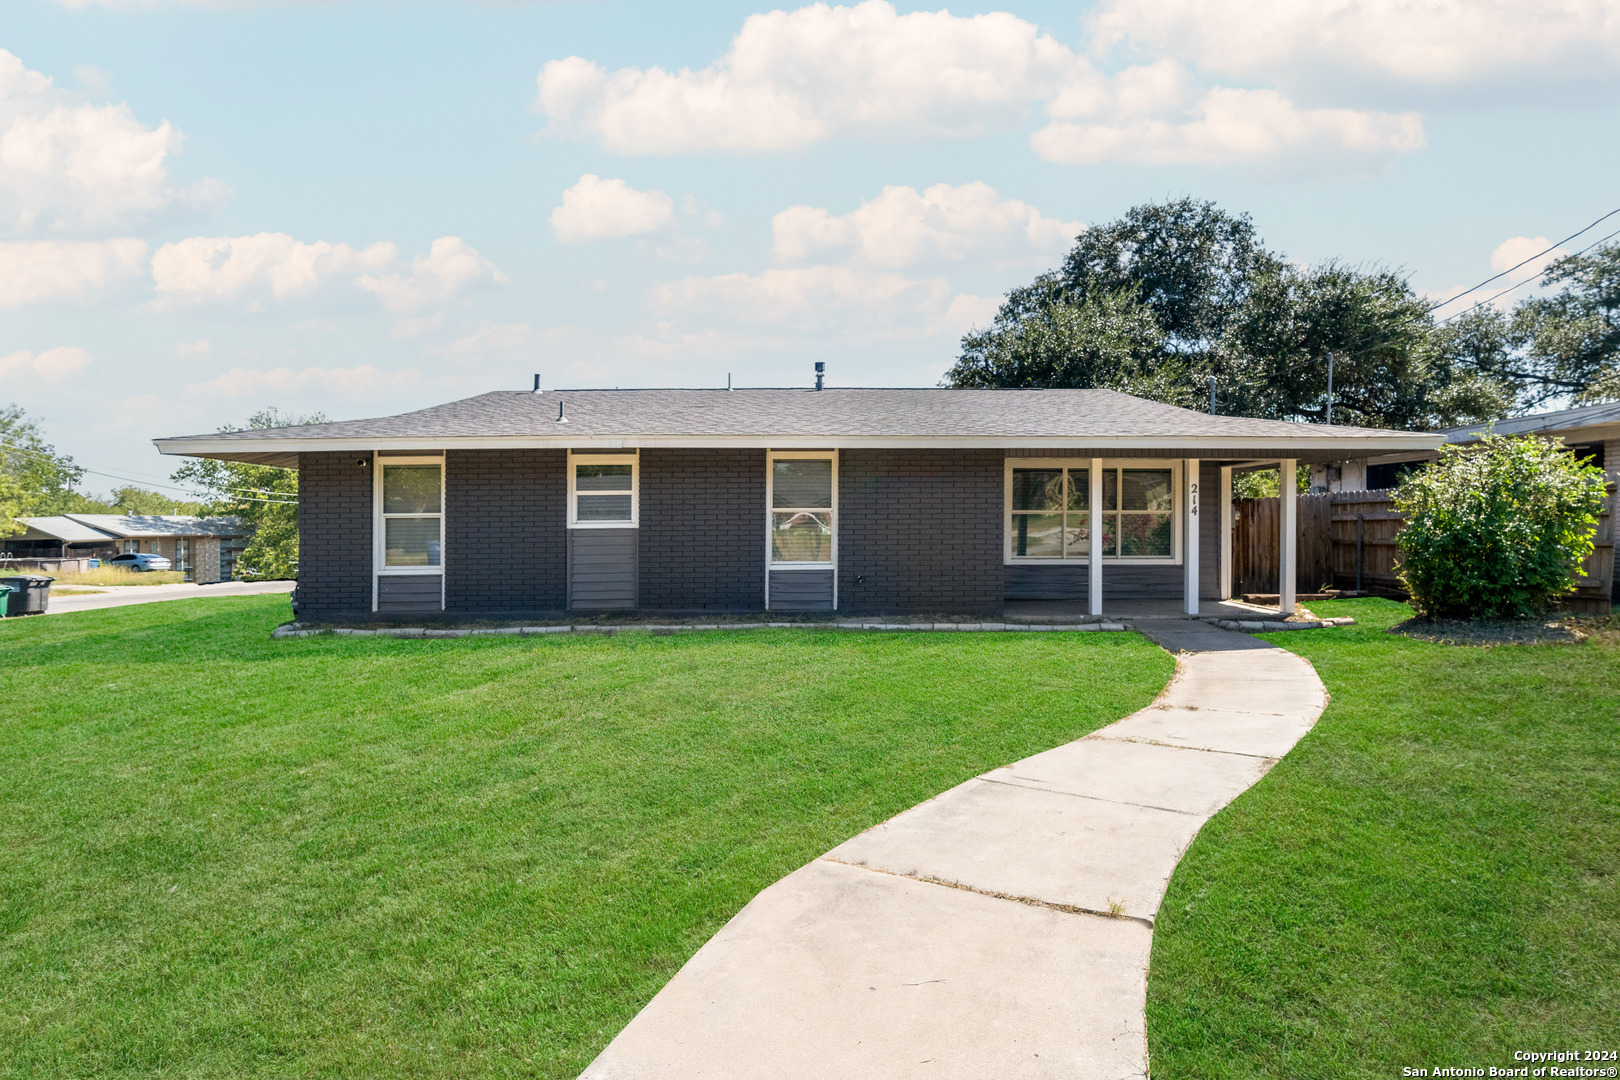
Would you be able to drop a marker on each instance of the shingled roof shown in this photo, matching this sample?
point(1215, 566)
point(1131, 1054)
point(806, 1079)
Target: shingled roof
point(787, 418)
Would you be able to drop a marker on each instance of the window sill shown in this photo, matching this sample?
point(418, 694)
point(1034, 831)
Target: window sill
point(803, 566)
point(1153, 561)
point(603, 524)
point(408, 571)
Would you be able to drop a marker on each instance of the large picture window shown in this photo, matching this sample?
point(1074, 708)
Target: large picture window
point(411, 508)
point(602, 490)
point(1049, 511)
point(803, 496)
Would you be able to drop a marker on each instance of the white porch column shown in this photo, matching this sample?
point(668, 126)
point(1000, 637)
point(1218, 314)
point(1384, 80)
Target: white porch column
point(1189, 547)
point(1288, 482)
point(1224, 591)
point(1094, 551)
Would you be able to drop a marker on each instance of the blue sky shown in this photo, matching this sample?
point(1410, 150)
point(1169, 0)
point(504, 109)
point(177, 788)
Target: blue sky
point(360, 208)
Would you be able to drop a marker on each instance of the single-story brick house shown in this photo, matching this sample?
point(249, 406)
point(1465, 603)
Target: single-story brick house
point(859, 501)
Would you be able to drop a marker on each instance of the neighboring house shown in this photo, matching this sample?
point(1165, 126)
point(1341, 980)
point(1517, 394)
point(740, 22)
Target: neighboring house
point(1592, 431)
point(513, 504)
point(204, 548)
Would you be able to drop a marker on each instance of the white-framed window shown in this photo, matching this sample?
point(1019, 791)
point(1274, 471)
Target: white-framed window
point(604, 491)
point(801, 495)
point(409, 494)
point(1048, 510)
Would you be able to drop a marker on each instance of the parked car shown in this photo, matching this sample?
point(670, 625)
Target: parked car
point(139, 560)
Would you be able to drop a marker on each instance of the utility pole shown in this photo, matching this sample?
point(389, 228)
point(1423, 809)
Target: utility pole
point(1330, 389)
point(1212, 395)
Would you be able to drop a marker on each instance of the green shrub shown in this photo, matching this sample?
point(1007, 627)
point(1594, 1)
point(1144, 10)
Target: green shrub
point(1497, 530)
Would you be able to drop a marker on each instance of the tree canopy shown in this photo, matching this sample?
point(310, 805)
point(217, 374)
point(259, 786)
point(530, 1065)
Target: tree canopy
point(264, 497)
point(1174, 294)
point(35, 480)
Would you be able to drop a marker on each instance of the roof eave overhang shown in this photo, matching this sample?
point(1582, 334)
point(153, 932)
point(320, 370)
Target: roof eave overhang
point(261, 450)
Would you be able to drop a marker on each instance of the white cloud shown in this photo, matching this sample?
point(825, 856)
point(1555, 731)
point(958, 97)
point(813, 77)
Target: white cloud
point(794, 79)
point(902, 227)
point(52, 365)
point(1535, 252)
point(1538, 250)
point(52, 271)
point(252, 269)
point(598, 209)
point(1411, 43)
point(1231, 127)
point(492, 340)
point(194, 350)
point(813, 297)
point(358, 381)
point(450, 267)
point(273, 264)
point(75, 168)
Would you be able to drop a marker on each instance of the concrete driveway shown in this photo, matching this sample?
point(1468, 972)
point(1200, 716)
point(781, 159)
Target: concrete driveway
point(124, 595)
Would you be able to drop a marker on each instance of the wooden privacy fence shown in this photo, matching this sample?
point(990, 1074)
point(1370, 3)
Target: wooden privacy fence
point(1362, 530)
point(1255, 555)
point(1346, 539)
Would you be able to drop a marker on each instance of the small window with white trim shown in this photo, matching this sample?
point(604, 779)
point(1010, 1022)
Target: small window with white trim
point(410, 508)
point(603, 490)
point(803, 501)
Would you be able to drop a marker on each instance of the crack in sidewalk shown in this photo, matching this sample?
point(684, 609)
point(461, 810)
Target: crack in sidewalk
point(1028, 901)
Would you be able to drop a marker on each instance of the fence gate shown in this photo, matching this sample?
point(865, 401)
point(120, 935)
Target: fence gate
point(1255, 554)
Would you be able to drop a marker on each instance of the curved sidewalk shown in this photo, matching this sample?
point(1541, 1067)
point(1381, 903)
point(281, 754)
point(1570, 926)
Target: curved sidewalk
point(1000, 929)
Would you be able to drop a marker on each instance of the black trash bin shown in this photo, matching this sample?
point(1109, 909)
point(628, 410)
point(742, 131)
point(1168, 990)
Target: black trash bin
point(30, 593)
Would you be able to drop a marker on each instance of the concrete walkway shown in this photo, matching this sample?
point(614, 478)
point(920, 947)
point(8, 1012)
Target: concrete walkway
point(124, 595)
point(1001, 929)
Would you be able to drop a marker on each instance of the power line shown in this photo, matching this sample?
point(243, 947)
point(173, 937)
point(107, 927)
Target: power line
point(1526, 281)
point(232, 491)
point(1533, 258)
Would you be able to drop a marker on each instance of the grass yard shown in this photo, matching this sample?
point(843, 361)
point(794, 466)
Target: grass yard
point(1432, 878)
point(117, 575)
point(223, 856)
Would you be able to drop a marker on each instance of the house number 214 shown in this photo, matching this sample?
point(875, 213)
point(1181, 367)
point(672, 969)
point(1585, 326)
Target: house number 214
point(1192, 501)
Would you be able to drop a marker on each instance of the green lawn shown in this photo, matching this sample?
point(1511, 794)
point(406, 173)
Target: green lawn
point(1429, 879)
point(224, 856)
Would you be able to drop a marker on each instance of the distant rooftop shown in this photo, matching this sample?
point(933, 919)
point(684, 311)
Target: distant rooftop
point(90, 528)
point(1561, 420)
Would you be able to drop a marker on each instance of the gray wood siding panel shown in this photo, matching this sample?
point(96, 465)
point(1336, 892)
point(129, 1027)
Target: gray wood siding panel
point(1141, 583)
point(601, 568)
point(801, 590)
point(1120, 582)
point(1048, 582)
point(415, 592)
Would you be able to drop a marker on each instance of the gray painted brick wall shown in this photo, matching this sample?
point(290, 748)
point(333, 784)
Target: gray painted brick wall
point(334, 536)
point(920, 531)
point(702, 542)
point(506, 530)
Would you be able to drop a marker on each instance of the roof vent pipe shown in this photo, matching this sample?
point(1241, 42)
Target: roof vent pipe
point(536, 382)
point(561, 419)
point(821, 369)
